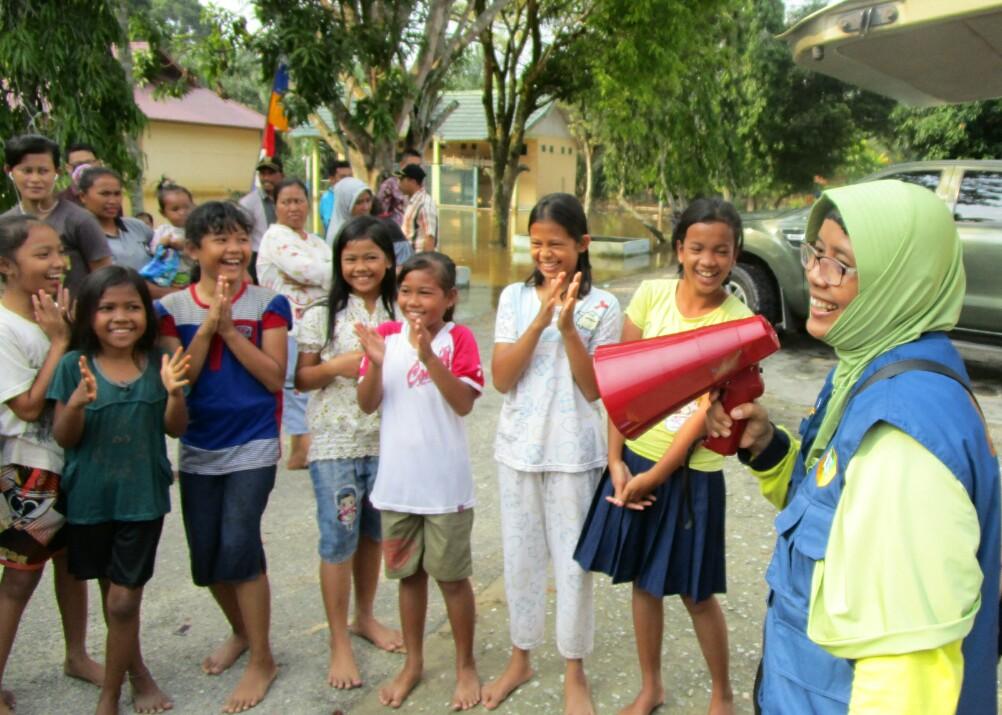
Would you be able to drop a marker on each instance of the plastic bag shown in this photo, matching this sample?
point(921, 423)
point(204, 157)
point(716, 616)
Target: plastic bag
point(162, 267)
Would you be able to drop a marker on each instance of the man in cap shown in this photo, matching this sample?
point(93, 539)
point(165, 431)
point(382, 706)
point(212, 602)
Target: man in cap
point(260, 203)
point(420, 224)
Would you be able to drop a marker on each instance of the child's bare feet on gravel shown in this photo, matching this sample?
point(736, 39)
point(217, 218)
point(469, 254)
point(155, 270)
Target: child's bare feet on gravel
point(394, 694)
point(224, 655)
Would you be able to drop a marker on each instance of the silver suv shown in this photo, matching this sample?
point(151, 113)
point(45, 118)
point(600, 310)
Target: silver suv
point(770, 279)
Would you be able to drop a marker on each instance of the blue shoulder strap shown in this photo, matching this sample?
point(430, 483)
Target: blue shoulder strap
point(896, 368)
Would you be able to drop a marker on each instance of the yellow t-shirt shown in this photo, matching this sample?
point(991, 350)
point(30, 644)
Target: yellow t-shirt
point(653, 310)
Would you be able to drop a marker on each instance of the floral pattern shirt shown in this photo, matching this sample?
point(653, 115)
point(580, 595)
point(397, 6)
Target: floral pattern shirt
point(340, 429)
point(298, 268)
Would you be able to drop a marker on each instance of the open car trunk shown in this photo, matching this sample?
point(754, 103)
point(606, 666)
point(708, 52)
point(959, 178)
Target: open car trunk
point(920, 52)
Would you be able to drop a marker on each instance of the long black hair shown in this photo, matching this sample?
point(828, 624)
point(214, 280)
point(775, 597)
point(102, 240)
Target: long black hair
point(14, 232)
point(438, 263)
point(361, 228)
point(90, 176)
point(88, 299)
point(709, 211)
point(565, 211)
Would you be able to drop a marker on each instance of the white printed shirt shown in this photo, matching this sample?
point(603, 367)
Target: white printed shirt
point(340, 429)
point(546, 424)
point(23, 349)
point(424, 458)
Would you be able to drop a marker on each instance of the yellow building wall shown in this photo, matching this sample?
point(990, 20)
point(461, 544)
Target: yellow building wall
point(557, 166)
point(551, 164)
point(210, 161)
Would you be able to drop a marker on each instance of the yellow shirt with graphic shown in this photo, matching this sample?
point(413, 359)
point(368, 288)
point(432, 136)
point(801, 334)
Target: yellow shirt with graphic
point(653, 310)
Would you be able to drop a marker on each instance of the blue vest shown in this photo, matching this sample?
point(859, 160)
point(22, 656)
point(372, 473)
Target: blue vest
point(798, 676)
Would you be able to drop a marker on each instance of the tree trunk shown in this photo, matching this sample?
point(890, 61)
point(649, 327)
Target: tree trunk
point(588, 178)
point(503, 190)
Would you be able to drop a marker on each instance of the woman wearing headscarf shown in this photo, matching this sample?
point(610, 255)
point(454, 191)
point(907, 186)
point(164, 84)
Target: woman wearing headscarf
point(352, 197)
point(884, 583)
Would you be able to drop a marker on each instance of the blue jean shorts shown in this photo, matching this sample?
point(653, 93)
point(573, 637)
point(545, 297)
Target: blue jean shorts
point(342, 488)
point(294, 401)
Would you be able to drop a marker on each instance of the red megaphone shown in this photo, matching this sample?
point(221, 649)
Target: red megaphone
point(643, 381)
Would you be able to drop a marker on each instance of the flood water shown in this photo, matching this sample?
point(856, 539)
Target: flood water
point(464, 234)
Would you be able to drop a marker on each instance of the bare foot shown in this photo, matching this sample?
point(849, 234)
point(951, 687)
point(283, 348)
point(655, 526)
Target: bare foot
point(379, 635)
point(394, 694)
point(721, 703)
point(252, 688)
point(517, 673)
point(84, 668)
point(646, 702)
point(147, 697)
point(225, 655)
point(7, 702)
point(467, 693)
point(343, 673)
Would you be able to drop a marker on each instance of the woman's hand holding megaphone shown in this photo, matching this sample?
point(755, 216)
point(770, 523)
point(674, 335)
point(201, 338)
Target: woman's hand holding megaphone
point(758, 432)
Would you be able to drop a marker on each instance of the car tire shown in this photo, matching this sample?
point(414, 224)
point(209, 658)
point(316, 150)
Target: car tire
point(754, 287)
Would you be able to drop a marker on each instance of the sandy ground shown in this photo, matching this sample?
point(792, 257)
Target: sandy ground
point(181, 623)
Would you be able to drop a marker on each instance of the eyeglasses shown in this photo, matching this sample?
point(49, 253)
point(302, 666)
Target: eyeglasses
point(832, 271)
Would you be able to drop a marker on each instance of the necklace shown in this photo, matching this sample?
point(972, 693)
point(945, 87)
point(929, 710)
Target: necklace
point(41, 213)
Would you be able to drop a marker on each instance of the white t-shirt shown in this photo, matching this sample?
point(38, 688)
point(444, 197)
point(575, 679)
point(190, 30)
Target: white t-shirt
point(23, 347)
point(424, 459)
point(546, 424)
point(340, 429)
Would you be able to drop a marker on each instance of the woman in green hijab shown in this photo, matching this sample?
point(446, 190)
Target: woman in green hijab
point(884, 583)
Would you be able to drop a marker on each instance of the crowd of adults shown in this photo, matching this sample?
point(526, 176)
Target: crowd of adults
point(89, 212)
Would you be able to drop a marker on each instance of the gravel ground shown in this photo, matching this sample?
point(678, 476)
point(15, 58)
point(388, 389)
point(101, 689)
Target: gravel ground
point(181, 623)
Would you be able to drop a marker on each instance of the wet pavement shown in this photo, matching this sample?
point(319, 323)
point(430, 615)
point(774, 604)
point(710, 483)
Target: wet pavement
point(181, 623)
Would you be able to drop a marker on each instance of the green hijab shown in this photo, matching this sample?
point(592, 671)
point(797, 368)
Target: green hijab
point(911, 279)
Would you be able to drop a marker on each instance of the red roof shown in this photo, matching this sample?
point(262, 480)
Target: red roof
point(197, 106)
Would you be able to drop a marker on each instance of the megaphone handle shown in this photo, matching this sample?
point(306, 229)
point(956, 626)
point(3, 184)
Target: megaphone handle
point(744, 387)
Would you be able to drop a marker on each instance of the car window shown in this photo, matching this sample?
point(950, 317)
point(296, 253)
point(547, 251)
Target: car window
point(980, 197)
point(925, 179)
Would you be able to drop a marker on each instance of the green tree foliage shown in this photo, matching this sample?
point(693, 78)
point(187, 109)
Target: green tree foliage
point(378, 66)
point(733, 115)
point(962, 131)
point(206, 43)
point(60, 77)
point(611, 52)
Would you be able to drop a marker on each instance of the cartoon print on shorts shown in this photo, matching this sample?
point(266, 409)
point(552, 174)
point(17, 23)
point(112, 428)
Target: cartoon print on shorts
point(347, 507)
point(28, 502)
